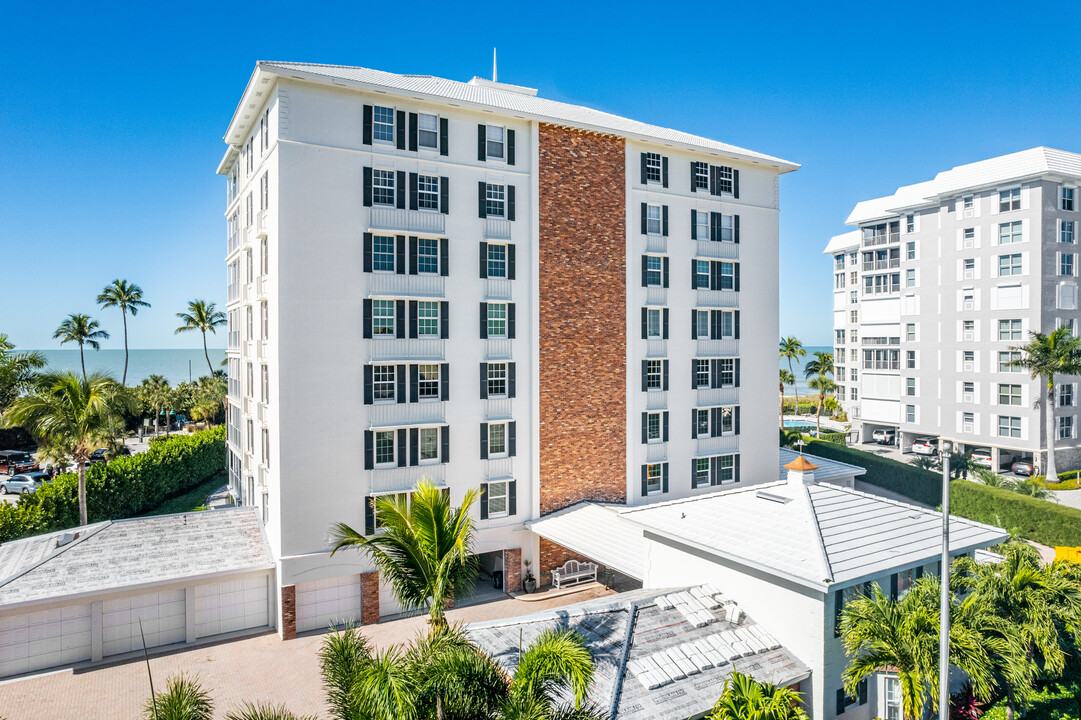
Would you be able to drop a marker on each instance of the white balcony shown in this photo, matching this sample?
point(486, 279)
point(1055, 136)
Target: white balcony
point(657, 452)
point(261, 413)
point(430, 412)
point(407, 478)
point(717, 348)
point(261, 476)
point(234, 339)
point(656, 348)
point(262, 283)
point(501, 408)
point(233, 242)
point(383, 283)
point(262, 222)
point(722, 250)
point(656, 296)
point(497, 349)
point(249, 291)
point(261, 349)
point(708, 397)
point(496, 229)
point(656, 400)
point(406, 349)
point(499, 468)
point(717, 445)
point(717, 298)
point(498, 289)
point(232, 292)
point(656, 244)
point(418, 221)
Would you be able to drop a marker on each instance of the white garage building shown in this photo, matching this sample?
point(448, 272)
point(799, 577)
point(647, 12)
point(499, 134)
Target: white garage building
point(79, 595)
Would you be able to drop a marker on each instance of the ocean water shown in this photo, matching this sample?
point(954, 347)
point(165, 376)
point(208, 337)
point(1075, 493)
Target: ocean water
point(175, 365)
point(797, 367)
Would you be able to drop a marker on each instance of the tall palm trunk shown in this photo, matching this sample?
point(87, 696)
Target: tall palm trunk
point(1050, 472)
point(207, 355)
point(82, 492)
point(1009, 704)
point(795, 387)
point(124, 377)
point(82, 359)
point(818, 414)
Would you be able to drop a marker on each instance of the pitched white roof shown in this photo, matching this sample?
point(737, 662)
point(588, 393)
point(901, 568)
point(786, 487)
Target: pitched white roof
point(597, 531)
point(817, 535)
point(827, 469)
point(1014, 167)
point(485, 95)
point(845, 241)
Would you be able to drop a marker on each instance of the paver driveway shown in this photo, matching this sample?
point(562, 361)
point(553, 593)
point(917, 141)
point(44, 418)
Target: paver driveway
point(260, 668)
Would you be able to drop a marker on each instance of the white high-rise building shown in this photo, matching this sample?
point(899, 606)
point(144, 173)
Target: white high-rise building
point(934, 288)
point(466, 282)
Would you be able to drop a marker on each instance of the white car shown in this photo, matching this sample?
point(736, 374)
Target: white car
point(925, 446)
point(982, 457)
point(883, 437)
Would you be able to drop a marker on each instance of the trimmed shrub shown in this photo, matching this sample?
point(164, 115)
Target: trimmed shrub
point(806, 407)
point(1066, 481)
point(1039, 520)
point(15, 438)
point(923, 486)
point(837, 438)
point(125, 487)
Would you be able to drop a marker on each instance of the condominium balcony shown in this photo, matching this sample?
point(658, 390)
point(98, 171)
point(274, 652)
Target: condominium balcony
point(656, 400)
point(234, 339)
point(261, 412)
point(499, 408)
point(497, 229)
point(657, 452)
point(418, 221)
point(717, 445)
point(232, 292)
point(499, 468)
point(429, 412)
point(406, 349)
point(498, 289)
point(717, 298)
point(722, 250)
point(262, 283)
point(717, 348)
point(656, 348)
point(882, 264)
point(383, 283)
point(402, 479)
point(233, 242)
point(708, 397)
point(656, 296)
point(498, 349)
point(885, 239)
point(262, 222)
point(656, 244)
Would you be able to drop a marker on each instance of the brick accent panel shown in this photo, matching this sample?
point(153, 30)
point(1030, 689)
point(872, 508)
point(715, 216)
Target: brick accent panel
point(512, 570)
point(288, 627)
point(553, 556)
point(582, 299)
point(369, 598)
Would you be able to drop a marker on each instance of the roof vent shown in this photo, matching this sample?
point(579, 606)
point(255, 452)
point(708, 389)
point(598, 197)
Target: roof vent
point(772, 498)
point(66, 539)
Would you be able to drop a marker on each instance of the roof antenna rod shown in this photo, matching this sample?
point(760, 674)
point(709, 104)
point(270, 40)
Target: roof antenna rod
point(146, 656)
point(495, 75)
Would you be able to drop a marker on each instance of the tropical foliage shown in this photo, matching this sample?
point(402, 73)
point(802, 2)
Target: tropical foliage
point(157, 398)
point(786, 378)
point(1042, 521)
point(84, 330)
point(204, 317)
point(744, 698)
point(182, 699)
point(129, 298)
point(18, 371)
point(791, 350)
point(818, 372)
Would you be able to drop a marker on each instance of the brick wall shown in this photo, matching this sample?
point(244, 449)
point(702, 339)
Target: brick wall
point(288, 627)
point(369, 598)
point(553, 556)
point(512, 570)
point(583, 343)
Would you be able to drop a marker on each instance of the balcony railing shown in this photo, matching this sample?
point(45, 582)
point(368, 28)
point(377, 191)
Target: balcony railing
point(398, 414)
point(262, 223)
point(656, 244)
point(717, 298)
point(234, 340)
point(723, 250)
point(656, 348)
point(717, 445)
point(497, 468)
point(498, 289)
point(406, 478)
point(875, 240)
point(656, 296)
point(393, 219)
point(261, 284)
point(233, 242)
point(497, 229)
point(708, 397)
point(717, 348)
point(657, 452)
point(656, 400)
point(500, 408)
point(398, 285)
point(882, 264)
point(496, 349)
point(881, 341)
point(406, 349)
point(233, 292)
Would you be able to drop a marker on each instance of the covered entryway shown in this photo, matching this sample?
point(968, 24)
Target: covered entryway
point(332, 601)
point(43, 638)
point(595, 532)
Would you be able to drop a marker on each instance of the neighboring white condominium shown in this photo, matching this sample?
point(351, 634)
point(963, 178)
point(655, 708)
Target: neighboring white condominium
point(939, 282)
point(467, 282)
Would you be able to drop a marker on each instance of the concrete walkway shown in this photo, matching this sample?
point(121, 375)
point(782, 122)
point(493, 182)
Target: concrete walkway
point(1070, 498)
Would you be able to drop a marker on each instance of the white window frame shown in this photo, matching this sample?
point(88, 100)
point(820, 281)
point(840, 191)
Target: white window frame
point(654, 271)
point(1009, 199)
point(653, 168)
point(1064, 423)
point(654, 375)
point(1066, 233)
point(1066, 264)
point(377, 437)
point(1012, 267)
point(497, 266)
point(702, 229)
point(1067, 198)
point(654, 323)
point(493, 431)
point(427, 252)
point(1010, 426)
point(654, 215)
point(384, 182)
point(498, 372)
point(380, 381)
point(654, 478)
point(428, 432)
point(428, 193)
point(495, 199)
point(379, 124)
point(1011, 233)
point(428, 382)
point(495, 136)
point(1011, 393)
point(380, 254)
point(654, 434)
point(424, 132)
point(381, 318)
point(497, 320)
point(428, 319)
point(498, 492)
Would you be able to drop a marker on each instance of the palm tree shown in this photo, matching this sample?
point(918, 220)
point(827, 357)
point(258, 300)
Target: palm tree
point(424, 549)
point(744, 698)
point(792, 349)
point(156, 395)
point(72, 417)
point(204, 317)
point(556, 662)
point(18, 371)
point(183, 699)
point(81, 329)
point(1046, 356)
point(831, 405)
point(818, 372)
point(264, 711)
point(129, 298)
point(786, 378)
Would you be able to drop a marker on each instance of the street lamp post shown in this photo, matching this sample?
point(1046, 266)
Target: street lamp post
point(944, 603)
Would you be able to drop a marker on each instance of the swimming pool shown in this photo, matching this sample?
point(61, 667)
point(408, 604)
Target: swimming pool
point(798, 425)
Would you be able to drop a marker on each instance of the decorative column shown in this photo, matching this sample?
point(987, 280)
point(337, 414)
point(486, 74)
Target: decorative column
point(369, 598)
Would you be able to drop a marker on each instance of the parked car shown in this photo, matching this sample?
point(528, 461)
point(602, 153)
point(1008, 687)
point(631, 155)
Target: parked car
point(13, 462)
point(1024, 467)
point(925, 446)
point(884, 437)
point(102, 454)
point(24, 483)
point(982, 457)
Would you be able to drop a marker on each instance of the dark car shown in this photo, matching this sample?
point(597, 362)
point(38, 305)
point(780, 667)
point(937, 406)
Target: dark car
point(103, 454)
point(13, 462)
point(1024, 467)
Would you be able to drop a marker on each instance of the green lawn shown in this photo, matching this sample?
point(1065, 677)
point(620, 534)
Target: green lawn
point(193, 499)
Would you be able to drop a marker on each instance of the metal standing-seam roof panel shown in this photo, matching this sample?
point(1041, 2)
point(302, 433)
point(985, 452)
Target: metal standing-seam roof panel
point(599, 533)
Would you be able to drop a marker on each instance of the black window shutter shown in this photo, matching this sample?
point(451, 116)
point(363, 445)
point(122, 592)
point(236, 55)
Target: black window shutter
point(694, 375)
point(369, 501)
point(714, 373)
point(413, 242)
point(735, 228)
point(714, 275)
point(483, 495)
point(838, 608)
point(367, 252)
point(645, 272)
point(694, 324)
point(861, 691)
point(664, 172)
point(715, 471)
point(735, 184)
point(444, 195)
point(664, 477)
point(413, 318)
point(367, 318)
point(399, 318)
point(645, 480)
point(412, 191)
point(482, 188)
point(715, 226)
point(715, 422)
point(484, 381)
point(645, 323)
point(484, 441)
point(482, 146)
point(737, 419)
point(715, 324)
point(510, 202)
point(664, 426)
point(714, 180)
point(444, 136)
point(735, 467)
point(413, 132)
point(444, 381)
point(367, 187)
point(399, 266)
point(512, 497)
point(369, 450)
point(664, 365)
point(735, 324)
point(444, 441)
point(644, 170)
point(414, 383)
point(510, 262)
point(694, 414)
point(664, 324)
point(645, 427)
point(694, 274)
point(444, 319)
point(510, 320)
point(483, 260)
point(694, 224)
point(512, 439)
point(444, 257)
point(664, 264)
point(414, 447)
point(893, 586)
point(400, 188)
point(510, 147)
point(368, 398)
point(694, 176)
point(400, 373)
point(840, 701)
point(510, 379)
point(367, 131)
point(484, 321)
point(664, 220)
point(645, 372)
point(400, 128)
point(736, 279)
point(737, 373)
point(644, 225)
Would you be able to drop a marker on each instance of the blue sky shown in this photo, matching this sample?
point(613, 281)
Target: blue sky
point(111, 116)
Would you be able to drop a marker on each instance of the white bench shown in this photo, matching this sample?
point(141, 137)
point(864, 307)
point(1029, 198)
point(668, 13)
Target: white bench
point(573, 572)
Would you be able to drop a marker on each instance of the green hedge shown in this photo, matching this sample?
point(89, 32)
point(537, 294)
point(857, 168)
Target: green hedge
point(923, 486)
point(1045, 522)
point(15, 438)
point(806, 407)
point(837, 438)
point(125, 487)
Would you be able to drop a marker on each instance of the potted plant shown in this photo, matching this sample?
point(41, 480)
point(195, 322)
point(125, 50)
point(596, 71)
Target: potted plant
point(528, 581)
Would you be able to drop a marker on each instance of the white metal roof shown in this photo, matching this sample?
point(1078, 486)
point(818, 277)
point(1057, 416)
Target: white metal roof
point(119, 554)
point(481, 95)
point(845, 241)
point(827, 469)
point(596, 531)
point(817, 535)
point(1013, 167)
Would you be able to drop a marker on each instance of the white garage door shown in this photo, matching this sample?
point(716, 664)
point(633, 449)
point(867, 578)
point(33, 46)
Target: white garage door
point(162, 615)
point(388, 605)
point(35, 640)
point(321, 603)
point(231, 605)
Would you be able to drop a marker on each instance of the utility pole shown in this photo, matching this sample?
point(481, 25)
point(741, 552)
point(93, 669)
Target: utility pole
point(944, 603)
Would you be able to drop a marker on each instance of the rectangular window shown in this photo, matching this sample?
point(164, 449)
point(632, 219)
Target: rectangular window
point(428, 382)
point(1009, 426)
point(384, 447)
point(893, 703)
point(728, 228)
point(654, 473)
point(701, 176)
point(701, 428)
point(383, 123)
point(910, 278)
point(1009, 265)
point(497, 499)
point(653, 427)
point(910, 332)
point(497, 260)
point(383, 383)
point(264, 394)
point(383, 253)
point(728, 325)
point(1067, 195)
point(1009, 394)
point(428, 256)
point(653, 219)
point(264, 257)
point(728, 372)
point(724, 179)
point(497, 379)
point(854, 316)
point(1009, 329)
point(494, 137)
point(727, 467)
point(910, 223)
point(968, 421)
point(701, 472)
point(1004, 360)
point(654, 372)
point(653, 167)
point(910, 387)
point(497, 319)
point(428, 319)
point(653, 323)
point(427, 130)
point(701, 271)
point(910, 251)
point(1065, 427)
point(910, 359)
point(654, 268)
point(910, 413)
point(428, 192)
point(383, 187)
point(497, 439)
point(1065, 264)
point(1009, 199)
point(495, 198)
point(266, 448)
point(968, 388)
point(854, 395)
point(728, 421)
point(429, 444)
point(701, 221)
point(383, 318)
point(701, 319)
point(1009, 233)
point(1065, 231)
point(728, 276)
point(853, 296)
point(1065, 395)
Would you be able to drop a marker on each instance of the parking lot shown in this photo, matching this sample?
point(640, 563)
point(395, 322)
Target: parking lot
point(132, 444)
